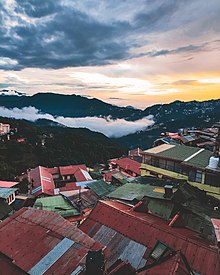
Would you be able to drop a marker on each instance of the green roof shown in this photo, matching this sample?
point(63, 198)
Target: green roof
point(131, 191)
point(6, 192)
point(100, 187)
point(193, 156)
point(56, 204)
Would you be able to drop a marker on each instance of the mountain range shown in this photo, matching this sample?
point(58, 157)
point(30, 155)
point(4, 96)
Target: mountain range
point(167, 117)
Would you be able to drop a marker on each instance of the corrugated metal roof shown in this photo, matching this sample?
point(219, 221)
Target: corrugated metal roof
point(87, 198)
point(129, 164)
point(8, 184)
point(42, 181)
point(71, 169)
point(56, 204)
point(6, 192)
point(192, 156)
point(82, 175)
point(100, 187)
point(131, 191)
point(146, 229)
point(30, 235)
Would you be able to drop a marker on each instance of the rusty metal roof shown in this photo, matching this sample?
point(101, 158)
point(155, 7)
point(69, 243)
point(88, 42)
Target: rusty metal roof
point(42, 242)
point(114, 224)
point(129, 164)
point(87, 198)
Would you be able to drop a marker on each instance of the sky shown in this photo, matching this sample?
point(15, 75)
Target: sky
point(124, 52)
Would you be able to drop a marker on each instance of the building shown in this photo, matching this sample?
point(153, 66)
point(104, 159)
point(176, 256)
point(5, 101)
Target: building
point(8, 194)
point(57, 204)
point(127, 166)
point(4, 128)
point(147, 242)
point(42, 242)
point(183, 162)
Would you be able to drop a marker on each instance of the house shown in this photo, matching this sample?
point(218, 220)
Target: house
point(115, 177)
point(42, 242)
point(42, 182)
point(197, 166)
point(4, 128)
point(57, 204)
point(8, 194)
point(148, 242)
point(127, 166)
point(8, 184)
point(81, 199)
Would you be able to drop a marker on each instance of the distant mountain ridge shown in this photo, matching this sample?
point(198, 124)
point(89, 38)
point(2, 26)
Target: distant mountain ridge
point(69, 106)
point(167, 117)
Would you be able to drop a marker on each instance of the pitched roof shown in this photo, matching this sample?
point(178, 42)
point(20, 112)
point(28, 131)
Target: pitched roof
point(6, 192)
point(129, 164)
point(192, 156)
point(100, 187)
point(8, 183)
point(56, 204)
point(82, 175)
point(42, 242)
point(87, 198)
point(71, 169)
point(131, 235)
point(43, 181)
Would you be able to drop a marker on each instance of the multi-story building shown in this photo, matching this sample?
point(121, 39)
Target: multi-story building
point(198, 166)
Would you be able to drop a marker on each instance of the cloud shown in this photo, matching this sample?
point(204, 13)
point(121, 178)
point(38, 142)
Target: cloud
point(108, 126)
point(59, 34)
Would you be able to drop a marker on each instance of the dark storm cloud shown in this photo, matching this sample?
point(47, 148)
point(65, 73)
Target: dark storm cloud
point(55, 34)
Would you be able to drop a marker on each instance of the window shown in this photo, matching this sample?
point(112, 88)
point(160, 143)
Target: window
point(198, 177)
point(158, 251)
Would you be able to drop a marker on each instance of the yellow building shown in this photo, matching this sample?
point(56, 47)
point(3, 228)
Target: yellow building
point(193, 164)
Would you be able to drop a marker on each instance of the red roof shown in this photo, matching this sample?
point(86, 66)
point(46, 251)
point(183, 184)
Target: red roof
point(108, 175)
point(82, 175)
point(8, 184)
point(216, 225)
point(53, 170)
point(145, 229)
point(71, 169)
point(30, 236)
point(174, 265)
point(68, 187)
point(43, 181)
point(129, 164)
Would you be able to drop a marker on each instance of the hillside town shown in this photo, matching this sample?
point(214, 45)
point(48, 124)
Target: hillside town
point(154, 211)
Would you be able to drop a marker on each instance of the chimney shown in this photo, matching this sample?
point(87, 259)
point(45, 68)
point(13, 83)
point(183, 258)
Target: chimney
point(168, 191)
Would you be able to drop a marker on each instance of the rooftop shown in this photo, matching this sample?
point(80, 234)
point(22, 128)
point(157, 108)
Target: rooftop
point(8, 183)
point(6, 192)
point(100, 187)
point(192, 156)
point(57, 204)
point(42, 242)
point(131, 191)
point(132, 235)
